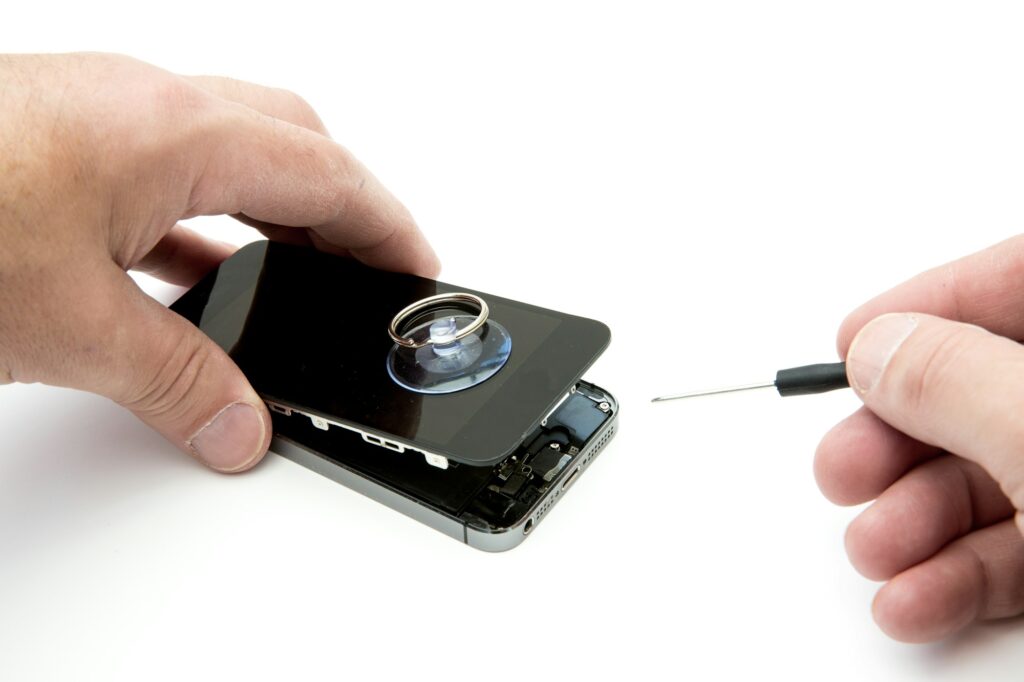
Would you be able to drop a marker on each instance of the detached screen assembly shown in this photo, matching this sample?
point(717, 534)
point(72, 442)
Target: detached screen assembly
point(310, 331)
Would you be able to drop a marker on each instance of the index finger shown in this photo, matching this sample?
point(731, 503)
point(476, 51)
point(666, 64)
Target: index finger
point(985, 289)
point(274, 171)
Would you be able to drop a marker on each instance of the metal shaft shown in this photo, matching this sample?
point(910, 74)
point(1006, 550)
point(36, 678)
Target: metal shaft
point(731, 389)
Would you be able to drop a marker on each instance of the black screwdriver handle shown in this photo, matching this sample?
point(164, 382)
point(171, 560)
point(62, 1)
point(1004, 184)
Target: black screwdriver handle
point(811, 379)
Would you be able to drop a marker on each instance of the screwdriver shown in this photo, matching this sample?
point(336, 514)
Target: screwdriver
point(793, 381)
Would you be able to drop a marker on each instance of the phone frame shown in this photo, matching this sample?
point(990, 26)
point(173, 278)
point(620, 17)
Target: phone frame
point(491, 539)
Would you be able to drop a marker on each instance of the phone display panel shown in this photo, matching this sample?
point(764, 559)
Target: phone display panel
point(309, 330)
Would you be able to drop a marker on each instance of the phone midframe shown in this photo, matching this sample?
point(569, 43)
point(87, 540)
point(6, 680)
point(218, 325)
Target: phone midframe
point(491, 508)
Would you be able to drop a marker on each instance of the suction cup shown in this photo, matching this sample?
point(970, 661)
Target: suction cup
point(448, 354)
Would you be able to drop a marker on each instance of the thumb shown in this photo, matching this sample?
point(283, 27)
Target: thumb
point(949, 384)
point(174, 378)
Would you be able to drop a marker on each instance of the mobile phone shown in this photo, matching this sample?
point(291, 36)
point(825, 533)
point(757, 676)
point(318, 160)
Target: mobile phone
point(483, 461)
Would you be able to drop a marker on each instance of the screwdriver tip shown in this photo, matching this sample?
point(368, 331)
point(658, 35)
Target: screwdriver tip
point(698, 394)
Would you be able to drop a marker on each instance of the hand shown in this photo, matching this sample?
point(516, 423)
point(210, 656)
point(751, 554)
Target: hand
point(100, 156)
point(939, 443)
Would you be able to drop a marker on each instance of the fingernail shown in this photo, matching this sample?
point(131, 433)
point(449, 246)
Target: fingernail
point(232, 440)
point(874, 346)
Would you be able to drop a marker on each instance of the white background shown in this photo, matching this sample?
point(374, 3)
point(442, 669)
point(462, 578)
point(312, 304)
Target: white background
point(719, 182)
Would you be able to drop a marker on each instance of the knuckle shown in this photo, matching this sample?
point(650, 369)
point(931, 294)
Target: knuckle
point(867, 546)
point(154, 96)
point(832, 473)
point(169, 390)
point(178, 98)
point(955, 490)
point(935, 364)
point(180, 115)
point(169, 115)
point(301, 112)
point(341, 182)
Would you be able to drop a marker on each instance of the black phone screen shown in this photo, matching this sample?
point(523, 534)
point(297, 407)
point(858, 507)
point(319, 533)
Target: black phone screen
point(309, 330)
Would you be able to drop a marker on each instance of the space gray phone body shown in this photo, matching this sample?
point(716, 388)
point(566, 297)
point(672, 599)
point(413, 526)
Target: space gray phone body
point(289, 442)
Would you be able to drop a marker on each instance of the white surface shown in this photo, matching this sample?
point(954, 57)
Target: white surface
point(720, 183)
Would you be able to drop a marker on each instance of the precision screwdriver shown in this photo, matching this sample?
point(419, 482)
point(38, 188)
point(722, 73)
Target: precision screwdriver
point(793, 381)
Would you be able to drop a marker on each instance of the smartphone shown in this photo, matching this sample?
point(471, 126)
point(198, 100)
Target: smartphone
point(483, 463)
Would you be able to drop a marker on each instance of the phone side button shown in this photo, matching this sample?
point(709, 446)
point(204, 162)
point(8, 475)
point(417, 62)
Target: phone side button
point(572, 477)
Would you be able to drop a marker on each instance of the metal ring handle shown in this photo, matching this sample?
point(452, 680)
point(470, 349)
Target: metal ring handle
point(430, 302)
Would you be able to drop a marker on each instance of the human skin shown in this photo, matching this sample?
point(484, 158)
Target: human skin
point(939, 445)
point(100, 157)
